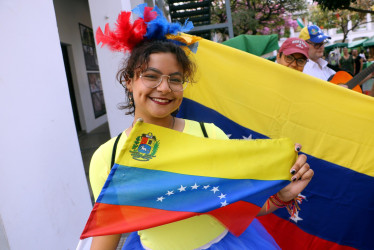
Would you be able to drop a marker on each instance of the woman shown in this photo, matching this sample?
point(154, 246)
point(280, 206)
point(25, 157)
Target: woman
point(346, 62)
point(358, 61)
point(154, 78)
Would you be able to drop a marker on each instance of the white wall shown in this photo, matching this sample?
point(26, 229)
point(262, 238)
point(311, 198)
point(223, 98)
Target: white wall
point(69, 14)
point(109, 63)
point(44, 195)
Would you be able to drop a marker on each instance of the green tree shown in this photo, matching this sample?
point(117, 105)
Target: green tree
point(259, 16)
point(339, 19)
point(362, 6)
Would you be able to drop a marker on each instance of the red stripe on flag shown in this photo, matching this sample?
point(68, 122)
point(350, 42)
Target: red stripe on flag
point(107, 219)
point(282, 230)
point(237, 216)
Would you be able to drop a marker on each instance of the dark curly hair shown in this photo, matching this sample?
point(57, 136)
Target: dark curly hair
point(139, 59)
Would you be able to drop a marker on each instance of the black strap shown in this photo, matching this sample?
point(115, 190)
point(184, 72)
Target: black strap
point(114, 150)
point(203, 129)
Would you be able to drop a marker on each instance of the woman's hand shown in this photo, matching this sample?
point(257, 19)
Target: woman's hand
point(301, 176)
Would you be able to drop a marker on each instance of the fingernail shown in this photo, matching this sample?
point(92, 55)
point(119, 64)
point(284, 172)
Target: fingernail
point(297, 149)
point(293, 171)
point(300, 178)
point(293, 178)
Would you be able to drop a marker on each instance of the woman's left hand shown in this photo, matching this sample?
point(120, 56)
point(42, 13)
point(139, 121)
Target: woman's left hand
point(301, 176)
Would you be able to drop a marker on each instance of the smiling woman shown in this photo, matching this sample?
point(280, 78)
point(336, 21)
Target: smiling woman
point(154, 77)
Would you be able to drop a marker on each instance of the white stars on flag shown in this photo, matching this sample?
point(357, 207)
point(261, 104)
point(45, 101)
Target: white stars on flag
point(160, 198)
point(223, 204)
point(195, 186)
point(182, 188)
point(214, 189)
point(247, 138)
point(222, 196)
point(170, 193)
point(296, 217)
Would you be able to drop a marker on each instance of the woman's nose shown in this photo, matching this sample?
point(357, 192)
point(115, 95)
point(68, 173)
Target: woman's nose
point(164, 85)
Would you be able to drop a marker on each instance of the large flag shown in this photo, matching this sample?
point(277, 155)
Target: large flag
point(250, 98)
point(162, 176)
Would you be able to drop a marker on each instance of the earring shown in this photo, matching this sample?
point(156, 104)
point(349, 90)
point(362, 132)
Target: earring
point(131, 102)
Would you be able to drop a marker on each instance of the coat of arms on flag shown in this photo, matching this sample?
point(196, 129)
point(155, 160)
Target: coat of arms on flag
point(145, 147)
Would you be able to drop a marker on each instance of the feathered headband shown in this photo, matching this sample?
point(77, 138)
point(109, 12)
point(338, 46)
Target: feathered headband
point(150, 25)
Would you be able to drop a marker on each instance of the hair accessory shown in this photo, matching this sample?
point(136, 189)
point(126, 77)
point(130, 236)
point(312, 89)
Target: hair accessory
point(292, 205)
point(150, 25)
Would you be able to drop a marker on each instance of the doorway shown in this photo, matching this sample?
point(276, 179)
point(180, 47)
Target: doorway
point(65, 55)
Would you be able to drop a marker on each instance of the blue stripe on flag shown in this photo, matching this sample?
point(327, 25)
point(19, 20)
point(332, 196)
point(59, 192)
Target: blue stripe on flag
point(198, 112)
point(178, 192)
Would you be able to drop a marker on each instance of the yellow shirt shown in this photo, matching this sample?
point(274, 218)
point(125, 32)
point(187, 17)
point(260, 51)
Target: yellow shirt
point(190, 233)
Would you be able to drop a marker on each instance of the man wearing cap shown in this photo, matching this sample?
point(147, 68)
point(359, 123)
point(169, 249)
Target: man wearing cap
point(293, 53)
point(316, 66)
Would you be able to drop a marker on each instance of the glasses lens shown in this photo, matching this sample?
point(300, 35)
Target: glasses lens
point(176, 83)
point(289, 58)
point(152, 79)
point(301, 62)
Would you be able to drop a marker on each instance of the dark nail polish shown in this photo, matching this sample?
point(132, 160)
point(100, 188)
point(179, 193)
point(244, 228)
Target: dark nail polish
point(300, 178)
point(293, 178)
point(298, 149)
point(293, 171)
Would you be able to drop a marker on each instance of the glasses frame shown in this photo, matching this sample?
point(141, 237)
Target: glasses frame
point(317, 45)
point(160, 81)
point(295, 59)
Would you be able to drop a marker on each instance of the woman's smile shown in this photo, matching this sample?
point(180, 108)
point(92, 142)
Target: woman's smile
point(161, 101)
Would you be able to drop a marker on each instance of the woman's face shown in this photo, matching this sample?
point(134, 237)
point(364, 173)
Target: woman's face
point(159, 102)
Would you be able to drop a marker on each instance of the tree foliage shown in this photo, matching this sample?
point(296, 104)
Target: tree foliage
point(339, 19)
point(361, 6)
point(259, 16)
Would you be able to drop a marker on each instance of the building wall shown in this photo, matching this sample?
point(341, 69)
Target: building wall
point(110, 62)
point(69, 13)
point(44, 195)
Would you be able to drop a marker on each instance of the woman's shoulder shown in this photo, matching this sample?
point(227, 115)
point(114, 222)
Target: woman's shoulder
point(105, 150)
point(194, 128)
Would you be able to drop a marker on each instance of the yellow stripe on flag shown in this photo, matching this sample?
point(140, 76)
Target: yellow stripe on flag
point(186, 154)
point(332, 123)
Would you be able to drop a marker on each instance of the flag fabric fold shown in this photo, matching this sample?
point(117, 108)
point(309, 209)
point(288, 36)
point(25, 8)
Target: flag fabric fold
point(162, 176)
point(250, 98)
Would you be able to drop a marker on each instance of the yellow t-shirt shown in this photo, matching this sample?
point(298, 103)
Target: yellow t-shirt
point(190, 233)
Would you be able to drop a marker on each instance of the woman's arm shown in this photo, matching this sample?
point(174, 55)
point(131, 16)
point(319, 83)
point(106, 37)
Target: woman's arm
point(107, 242)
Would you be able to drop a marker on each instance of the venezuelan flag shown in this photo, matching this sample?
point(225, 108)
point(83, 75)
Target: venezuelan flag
point(250, 97)
point(162, 176)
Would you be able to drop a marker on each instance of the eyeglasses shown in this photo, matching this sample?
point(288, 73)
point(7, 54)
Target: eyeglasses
point(152, 80)
point(299, 61)
point(317, 45)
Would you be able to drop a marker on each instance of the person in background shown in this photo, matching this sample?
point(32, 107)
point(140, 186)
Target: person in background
point(346, 62)
point(293, 53)
point(362, 54)
point(316, 66)
point(333, 59)
point(358, 61)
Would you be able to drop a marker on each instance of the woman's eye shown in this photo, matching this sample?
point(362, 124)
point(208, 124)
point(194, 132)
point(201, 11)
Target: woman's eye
point(176, 80)
point(150, 77)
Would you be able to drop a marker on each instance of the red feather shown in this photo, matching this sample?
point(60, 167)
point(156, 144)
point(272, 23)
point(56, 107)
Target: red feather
point(125, 35)
point(149, 15)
